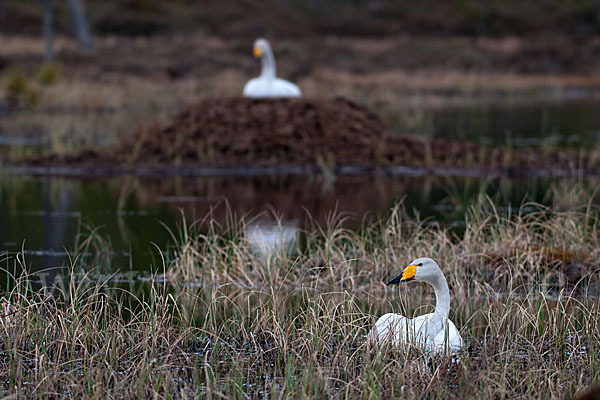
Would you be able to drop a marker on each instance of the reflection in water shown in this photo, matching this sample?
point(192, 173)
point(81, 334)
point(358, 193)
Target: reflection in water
point(266, 239)
point(54, 227)
point(116, 223)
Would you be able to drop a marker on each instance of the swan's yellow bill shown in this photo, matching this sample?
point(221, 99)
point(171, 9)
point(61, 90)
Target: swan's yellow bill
point(409, 272)
point(257, 52)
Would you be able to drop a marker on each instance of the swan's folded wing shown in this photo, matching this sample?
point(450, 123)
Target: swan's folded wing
point(448, 339)
point(283, 88)
point(390, 327)
point(454, 339)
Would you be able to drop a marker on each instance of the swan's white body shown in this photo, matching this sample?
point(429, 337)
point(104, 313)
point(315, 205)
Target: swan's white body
point(267, 85)
point(268, 88)
point(425, 331)
point(432, 332)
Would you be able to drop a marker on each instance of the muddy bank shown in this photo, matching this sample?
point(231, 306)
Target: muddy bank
point(239, 135)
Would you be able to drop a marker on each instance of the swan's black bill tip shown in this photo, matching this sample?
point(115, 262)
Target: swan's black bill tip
point(395, 280)
point(399, 279)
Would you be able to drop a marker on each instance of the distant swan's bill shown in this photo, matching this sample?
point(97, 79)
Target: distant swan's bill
point(267, 85)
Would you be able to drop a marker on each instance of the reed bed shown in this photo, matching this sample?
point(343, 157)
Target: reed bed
point(225, 320)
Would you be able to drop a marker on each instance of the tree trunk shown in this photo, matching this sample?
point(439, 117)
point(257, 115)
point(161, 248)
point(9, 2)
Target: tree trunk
point(80, 24)
point(48, 28)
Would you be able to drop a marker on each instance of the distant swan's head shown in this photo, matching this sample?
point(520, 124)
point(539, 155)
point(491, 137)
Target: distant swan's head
point(261, 46)
point(421, 269)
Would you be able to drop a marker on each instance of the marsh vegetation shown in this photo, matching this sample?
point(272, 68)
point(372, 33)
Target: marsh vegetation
point(219, 319)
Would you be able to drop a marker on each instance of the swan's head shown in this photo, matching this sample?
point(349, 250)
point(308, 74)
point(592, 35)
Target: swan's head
point(421, 269)
point(261, 46)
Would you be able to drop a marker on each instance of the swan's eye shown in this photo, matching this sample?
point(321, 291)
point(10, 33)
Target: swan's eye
point(419, 264)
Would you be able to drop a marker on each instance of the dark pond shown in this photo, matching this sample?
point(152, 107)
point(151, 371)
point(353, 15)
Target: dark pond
point(47, 218)
point(571, 122)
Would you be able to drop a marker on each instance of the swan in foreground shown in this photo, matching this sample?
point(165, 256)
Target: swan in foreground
point(433, 332)
point(267, 84)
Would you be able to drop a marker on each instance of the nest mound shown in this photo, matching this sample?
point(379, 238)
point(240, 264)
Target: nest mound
point(228, 132)
point(246, 133)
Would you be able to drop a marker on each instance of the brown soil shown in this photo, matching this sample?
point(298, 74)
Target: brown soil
point(284, 132)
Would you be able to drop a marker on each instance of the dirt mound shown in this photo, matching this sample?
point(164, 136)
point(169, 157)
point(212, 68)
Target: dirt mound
point(310, 134)
point(283, 132)
point(244, 133)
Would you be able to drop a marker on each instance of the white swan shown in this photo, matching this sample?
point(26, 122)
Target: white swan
point(267, 84)
point(433, 332)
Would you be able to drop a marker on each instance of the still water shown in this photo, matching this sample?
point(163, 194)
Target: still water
point(555, 122)
point(129, 218)
point(51, 220)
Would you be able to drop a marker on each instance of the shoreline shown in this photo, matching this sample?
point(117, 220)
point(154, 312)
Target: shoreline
point(348, 170)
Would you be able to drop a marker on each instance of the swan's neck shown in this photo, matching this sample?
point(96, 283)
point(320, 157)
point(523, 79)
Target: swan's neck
point(442, 297)
point(268, 64)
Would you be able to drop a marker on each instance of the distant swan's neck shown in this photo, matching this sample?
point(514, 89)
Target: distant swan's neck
point(268, 64)
point(442, 297)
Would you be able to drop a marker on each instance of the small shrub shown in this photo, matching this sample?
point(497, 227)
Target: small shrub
point(19, 89)
point(48, 74)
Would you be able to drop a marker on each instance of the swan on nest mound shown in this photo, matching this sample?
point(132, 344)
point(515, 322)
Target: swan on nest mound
point(267, 85)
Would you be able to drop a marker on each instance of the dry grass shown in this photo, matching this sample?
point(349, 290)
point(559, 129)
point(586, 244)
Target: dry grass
point(234, 323)
point(92, 342)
